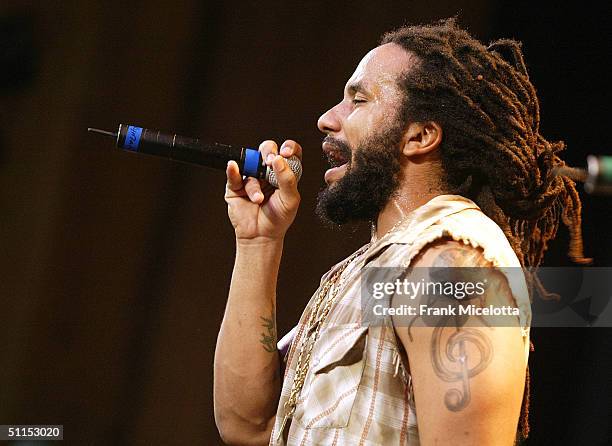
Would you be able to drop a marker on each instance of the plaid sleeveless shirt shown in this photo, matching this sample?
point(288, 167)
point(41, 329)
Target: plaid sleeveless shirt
point(358, 389)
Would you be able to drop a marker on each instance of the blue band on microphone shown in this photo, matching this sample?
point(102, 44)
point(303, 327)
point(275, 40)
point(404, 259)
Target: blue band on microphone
point(132, 138)
point(251, 163)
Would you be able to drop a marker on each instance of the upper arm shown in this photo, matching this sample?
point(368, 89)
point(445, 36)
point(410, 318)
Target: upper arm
point(468, 372)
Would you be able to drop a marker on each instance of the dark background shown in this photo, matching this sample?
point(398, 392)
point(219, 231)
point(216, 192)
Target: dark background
point(115, 267)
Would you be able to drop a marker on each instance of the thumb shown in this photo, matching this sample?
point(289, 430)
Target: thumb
point(287, 182)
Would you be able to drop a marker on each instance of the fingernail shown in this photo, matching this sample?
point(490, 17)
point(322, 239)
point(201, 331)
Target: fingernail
point(257, 196)
point(269, 158)
point(286, 150)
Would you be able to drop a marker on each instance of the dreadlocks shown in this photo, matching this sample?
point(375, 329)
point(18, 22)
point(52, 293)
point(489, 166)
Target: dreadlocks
point(492, 150)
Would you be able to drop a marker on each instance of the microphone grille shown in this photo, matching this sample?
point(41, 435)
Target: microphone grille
point(294, 164)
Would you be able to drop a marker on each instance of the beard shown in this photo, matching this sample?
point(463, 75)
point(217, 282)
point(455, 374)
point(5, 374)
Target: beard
point(369, 181)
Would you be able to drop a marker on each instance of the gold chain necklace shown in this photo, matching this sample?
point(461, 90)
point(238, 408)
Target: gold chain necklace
point(317, 316)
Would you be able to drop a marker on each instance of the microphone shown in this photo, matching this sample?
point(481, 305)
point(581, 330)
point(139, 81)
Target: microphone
point(597, 177)
point(191, 150)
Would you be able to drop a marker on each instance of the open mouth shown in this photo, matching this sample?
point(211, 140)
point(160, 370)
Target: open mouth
point(335, 158)
point(338, 161)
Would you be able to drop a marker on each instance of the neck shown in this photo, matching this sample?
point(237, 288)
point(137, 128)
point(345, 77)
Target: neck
point(405, 200)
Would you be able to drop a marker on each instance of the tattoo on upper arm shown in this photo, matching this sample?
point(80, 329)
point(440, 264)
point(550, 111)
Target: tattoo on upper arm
point(268, 337)
point(452, 364)
point(460, 256)
point(449, 354)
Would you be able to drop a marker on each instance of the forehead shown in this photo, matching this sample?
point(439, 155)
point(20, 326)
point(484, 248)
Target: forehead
point(382, 66)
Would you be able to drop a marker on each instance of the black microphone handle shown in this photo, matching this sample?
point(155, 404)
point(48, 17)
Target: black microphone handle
point(194, 151)
point(176, 147)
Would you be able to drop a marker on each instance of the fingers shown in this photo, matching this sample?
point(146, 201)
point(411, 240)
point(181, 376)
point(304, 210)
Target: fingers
point(268, 150)
point(237, 187)
point(252, 187)
point(287, 182)
point(290, 148)
point(234, 179)
point(253, 190)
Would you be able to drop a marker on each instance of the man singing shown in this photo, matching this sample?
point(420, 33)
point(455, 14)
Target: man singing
point(436, 142)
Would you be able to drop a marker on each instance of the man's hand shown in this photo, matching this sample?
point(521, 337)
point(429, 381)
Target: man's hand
point(264, 213)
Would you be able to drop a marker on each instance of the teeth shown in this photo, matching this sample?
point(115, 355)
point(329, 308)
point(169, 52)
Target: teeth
point(335, 159)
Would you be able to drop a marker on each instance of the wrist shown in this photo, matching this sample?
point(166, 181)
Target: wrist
point(259, 257)
point(262, 242)
point(260, 247)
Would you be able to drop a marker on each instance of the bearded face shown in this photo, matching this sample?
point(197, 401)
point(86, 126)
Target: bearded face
point(372, 175)
point(364, 134)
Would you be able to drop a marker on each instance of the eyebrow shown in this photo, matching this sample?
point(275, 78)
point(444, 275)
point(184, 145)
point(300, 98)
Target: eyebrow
point(355, 87)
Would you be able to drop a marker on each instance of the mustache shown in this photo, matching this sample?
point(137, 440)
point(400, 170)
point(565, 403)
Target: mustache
point(339, 145)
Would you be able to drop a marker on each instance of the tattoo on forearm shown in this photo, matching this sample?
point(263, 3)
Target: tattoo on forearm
point(451, 362)
point(268, 337)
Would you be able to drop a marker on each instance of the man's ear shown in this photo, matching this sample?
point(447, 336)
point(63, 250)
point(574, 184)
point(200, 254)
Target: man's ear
point(421, 138)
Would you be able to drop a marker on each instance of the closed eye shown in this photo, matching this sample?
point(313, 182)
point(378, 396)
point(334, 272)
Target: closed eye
point(359, 101)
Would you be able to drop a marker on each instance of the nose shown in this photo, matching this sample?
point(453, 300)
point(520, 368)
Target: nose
point(329, 122)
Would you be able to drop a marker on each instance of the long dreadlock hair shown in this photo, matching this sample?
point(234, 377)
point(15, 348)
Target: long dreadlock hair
point(492, 150)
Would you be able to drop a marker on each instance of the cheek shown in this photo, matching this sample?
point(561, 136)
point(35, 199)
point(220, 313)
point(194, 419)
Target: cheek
point(355, 127)
point(366, 120)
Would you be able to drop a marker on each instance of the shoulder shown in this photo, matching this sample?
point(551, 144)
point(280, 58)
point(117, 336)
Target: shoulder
point(447, 252)
point(448, 260)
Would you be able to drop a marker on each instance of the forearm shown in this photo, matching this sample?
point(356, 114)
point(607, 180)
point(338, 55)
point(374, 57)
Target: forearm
point(247, 370)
